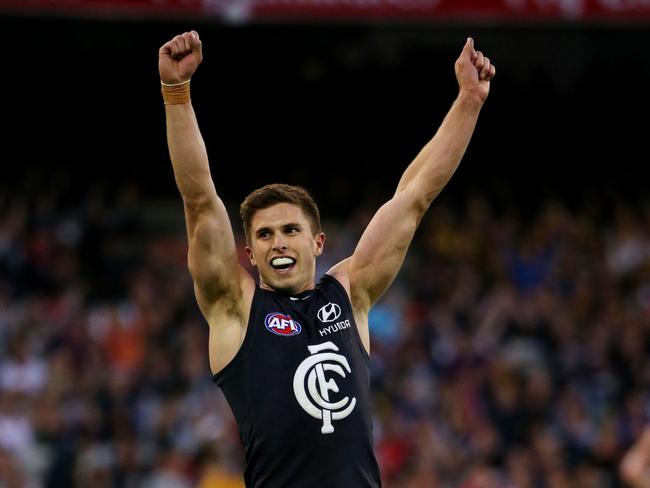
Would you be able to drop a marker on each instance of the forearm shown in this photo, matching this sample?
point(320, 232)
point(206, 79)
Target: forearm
point(187, 152)
point(434, 166)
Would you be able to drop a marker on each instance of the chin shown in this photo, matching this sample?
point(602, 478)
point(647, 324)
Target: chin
point(287, 285)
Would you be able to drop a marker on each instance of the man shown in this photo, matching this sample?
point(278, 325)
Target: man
point(291, 355)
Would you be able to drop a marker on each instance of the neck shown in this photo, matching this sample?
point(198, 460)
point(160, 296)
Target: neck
point(288, 291)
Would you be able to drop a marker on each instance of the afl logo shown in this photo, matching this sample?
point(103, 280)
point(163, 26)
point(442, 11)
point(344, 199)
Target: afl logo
point(314, 383)
point(282, 325)
point(329, 312)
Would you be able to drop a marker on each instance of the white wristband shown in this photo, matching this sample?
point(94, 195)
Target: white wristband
point(175, 84)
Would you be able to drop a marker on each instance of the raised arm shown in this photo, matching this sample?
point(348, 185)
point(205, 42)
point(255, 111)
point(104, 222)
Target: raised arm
point(212, 257)
point(440, 157)
point(382, 247)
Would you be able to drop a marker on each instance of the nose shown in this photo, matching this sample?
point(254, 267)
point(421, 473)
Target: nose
point(280, 242)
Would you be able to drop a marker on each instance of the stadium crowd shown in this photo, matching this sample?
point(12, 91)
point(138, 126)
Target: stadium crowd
point(511, 352)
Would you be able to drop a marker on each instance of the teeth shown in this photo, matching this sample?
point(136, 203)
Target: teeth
point(282, 261)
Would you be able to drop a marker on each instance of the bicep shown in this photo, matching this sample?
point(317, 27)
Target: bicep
point(380, 252)
point(212, 255)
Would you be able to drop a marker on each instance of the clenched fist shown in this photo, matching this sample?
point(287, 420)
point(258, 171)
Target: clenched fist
point(474, 71)
point(179, 58)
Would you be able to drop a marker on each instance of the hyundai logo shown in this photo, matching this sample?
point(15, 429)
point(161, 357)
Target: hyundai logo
point(329, 312)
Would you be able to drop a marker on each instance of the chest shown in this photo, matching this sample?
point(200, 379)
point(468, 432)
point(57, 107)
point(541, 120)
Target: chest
point(289, 324)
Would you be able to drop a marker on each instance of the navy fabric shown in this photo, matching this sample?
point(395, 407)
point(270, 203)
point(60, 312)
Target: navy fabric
point(299, 389)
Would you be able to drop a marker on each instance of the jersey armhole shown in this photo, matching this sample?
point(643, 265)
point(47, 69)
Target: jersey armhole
point(244, 345)
point(356, 330)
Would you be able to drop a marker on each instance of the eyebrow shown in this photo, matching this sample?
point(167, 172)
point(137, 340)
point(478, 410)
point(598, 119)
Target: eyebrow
point(284, 226)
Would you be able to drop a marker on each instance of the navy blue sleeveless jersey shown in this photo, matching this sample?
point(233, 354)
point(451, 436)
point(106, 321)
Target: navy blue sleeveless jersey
point(299, 390)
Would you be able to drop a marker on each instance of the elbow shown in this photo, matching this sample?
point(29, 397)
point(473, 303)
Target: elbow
point(412, 206)
point(418, 200)
point(423, 190)
point(420, 207)
point(197, 203)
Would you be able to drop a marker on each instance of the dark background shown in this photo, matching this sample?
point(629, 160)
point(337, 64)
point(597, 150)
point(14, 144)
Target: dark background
point(340, 109)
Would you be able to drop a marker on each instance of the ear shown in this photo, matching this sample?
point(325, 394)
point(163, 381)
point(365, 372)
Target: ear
point(319, 242)
point(249, 253)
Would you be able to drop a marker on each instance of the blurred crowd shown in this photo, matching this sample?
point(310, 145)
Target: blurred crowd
point(511, 352)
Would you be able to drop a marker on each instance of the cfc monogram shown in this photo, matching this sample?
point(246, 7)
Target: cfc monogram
point(312, 371)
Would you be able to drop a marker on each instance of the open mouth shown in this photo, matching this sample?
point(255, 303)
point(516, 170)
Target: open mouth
point(283, 263)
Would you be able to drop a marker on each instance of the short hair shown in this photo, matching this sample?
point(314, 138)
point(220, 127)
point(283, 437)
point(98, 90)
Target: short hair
point(270, 195)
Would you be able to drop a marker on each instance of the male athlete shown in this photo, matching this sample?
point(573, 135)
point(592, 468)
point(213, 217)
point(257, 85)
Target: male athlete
point(290, 354)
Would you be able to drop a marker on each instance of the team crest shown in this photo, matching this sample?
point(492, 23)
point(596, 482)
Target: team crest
point(313, 382)
point(282, 325)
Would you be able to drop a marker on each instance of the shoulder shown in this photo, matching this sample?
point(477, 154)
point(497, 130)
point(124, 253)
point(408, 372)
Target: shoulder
point(341, 273)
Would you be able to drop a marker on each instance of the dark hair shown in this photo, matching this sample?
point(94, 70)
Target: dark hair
point(269, 195)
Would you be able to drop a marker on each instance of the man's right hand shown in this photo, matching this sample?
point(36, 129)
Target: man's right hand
point(179, 58)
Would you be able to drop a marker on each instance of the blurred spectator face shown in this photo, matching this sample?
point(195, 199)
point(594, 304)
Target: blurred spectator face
point(588, 476)
point(10, 476)
point(520, 467)
point(483, 477)
point(559, 479)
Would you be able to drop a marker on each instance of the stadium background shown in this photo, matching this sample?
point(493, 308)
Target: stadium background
point(511, 351)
